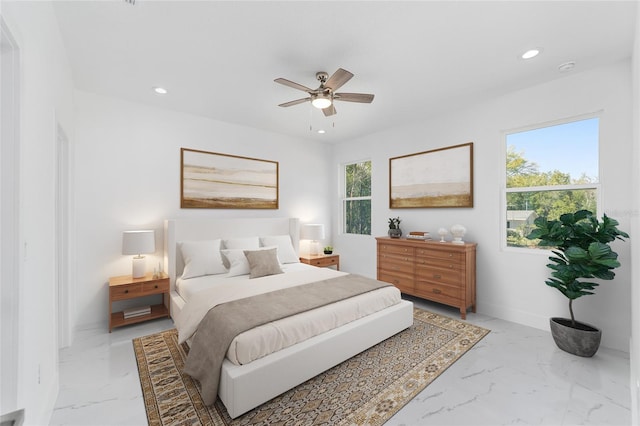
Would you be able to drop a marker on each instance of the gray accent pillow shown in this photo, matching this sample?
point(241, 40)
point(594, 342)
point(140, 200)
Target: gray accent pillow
point(263, 262)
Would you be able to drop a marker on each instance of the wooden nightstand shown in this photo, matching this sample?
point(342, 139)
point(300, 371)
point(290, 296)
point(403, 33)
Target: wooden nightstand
point(322, 260)
point(125, 287)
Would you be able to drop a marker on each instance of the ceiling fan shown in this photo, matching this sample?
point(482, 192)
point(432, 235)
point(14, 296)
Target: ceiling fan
point(323, 97)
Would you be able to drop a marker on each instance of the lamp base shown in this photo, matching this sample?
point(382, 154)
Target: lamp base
point(138, 267)
point(314, 248)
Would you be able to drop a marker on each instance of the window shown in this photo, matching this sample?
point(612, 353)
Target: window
point(356, 204)
point(549, 171)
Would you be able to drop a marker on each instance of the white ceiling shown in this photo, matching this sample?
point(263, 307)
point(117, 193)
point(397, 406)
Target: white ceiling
point(219, 59)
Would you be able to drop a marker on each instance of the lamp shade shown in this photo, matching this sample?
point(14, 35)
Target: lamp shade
point(313, 231)
point(138, 242)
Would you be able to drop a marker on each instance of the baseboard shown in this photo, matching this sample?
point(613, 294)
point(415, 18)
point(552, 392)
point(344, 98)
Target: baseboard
point(634, 382)
point(46, 411)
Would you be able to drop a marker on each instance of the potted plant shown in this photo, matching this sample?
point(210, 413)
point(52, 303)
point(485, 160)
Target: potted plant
point(582, 252)
point(394, 227)
point(328, 250)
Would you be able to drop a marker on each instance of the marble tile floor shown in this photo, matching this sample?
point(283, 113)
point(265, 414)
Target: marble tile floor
point(515, 375)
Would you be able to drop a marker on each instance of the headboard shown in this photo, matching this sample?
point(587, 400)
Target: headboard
point(198, 229)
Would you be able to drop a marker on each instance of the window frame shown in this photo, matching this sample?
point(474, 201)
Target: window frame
point(504, 190)
point(344, 198)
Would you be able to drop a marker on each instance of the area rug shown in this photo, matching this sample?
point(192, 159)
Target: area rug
point(365, 390)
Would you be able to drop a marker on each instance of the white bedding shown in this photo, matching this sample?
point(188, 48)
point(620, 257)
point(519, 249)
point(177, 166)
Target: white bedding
point(202, 293)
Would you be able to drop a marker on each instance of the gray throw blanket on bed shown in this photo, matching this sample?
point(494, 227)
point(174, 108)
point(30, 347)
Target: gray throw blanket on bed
point(224, 322)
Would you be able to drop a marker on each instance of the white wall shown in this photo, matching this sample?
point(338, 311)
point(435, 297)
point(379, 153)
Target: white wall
point(45, 99)
point(128, 177)
point(510, 284)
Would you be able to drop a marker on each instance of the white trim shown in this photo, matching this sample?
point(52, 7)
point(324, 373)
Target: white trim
point(10, 220)
point(62, 264)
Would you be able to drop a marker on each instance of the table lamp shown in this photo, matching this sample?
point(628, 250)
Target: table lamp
point(313, 232)
point(138, 243)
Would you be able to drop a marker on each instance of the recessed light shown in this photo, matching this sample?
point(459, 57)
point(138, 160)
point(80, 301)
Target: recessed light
point(321, 131)
point(531, 53)
point(567, 66)
point(160, 90)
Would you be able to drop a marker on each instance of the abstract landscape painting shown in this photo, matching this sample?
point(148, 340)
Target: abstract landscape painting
point(219, 181)
point(438, 178)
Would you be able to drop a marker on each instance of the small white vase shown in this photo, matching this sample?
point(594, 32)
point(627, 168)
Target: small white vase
point(458, 232)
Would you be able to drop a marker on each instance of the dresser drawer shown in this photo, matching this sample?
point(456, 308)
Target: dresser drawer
point(451, 256)
point(123, 292)
point(439, 275)
point(432, 262)
point(404, 283)
point(395, 263)
point(393, 249)
point(154, 287)
point(438, 292)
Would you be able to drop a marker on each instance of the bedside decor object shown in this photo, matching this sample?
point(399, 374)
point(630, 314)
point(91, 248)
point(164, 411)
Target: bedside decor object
point(328, 250)
point(313, 232)
point(209, 180)
point(443, 233)
point(458, 232)
point(438, 178)
point(394, 227)
point(138, 243)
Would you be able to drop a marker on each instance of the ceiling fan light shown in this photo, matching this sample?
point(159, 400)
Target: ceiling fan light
point(321, 101)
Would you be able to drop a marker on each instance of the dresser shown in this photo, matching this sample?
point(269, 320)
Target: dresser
point(441, 272)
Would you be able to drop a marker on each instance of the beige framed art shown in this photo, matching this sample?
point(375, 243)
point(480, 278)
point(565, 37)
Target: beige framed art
point(438, 178)
point(210, 180)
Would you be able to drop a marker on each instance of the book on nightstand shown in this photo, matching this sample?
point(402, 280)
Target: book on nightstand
point(136, 312)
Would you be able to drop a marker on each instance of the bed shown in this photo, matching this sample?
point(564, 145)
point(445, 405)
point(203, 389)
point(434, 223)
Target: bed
point(252, 374)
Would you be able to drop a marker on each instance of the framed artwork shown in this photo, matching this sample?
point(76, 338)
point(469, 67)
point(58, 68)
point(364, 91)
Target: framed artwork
point(210, 180)
point(438, 178)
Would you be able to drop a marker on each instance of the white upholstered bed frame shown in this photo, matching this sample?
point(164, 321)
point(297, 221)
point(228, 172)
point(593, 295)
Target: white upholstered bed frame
point(243, 387)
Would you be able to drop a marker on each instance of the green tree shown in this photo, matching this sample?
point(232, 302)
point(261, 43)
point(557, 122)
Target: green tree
point(549, 203)
point(358, 211)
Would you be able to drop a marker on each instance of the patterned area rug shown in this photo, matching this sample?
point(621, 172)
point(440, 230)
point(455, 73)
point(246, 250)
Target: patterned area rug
point(364, 390)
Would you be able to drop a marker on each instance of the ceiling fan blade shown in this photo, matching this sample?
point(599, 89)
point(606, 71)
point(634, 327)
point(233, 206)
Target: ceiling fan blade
point(296, 102)
point(364, 98)
point(338, 78)
point(293, 84)
point(329, 111)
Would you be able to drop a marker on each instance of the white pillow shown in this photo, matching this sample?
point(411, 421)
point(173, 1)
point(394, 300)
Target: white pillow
point(238, 263)
point(201, 258)
point(286, 252)
point(246, 243)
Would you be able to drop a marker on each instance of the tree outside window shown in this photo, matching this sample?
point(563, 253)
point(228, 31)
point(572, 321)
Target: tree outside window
point(550, 171)
point(357, 198)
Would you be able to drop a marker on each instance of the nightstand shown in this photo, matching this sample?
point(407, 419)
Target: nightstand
point(126, 287)
point(322, 260)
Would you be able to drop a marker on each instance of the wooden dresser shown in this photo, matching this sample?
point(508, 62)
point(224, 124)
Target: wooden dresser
point(441, 272)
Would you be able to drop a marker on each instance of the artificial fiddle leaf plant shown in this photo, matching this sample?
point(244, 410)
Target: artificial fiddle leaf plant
point(582, 252)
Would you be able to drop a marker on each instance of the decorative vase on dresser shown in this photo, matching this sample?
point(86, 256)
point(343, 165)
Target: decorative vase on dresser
point(441, 272)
